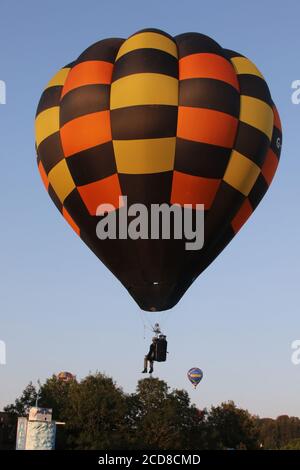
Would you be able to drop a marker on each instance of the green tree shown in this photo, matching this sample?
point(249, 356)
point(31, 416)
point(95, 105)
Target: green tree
point(95, 414)
point(294, 444)
point(99, 415)
point(163, 419)
point(55, 394)
point(24, 403)
point(232, 427)
point(276, 433)
point(268, 433)
point(94, 411)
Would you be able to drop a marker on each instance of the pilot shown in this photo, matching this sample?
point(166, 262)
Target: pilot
point(150, 356)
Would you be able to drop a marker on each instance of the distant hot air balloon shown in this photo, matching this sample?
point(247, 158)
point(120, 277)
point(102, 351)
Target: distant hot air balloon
point(158, 119)
point(65, 376)
point(195, 376)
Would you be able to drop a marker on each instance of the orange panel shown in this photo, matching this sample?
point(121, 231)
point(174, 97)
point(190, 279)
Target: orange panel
point(269, 167)
point(189, 189)
point(205, 65)
point(206, 125)
point(92, 72)
point(242, 215)
point(85, 132)
point(104, 191)
point(43, 175)
point(70, 221)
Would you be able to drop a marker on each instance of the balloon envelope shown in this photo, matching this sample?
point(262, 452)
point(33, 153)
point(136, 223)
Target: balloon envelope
point(155, 119)
point(65, 376)
point(195, 376)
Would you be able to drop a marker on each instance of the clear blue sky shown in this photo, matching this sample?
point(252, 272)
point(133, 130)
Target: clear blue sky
point(61, 309)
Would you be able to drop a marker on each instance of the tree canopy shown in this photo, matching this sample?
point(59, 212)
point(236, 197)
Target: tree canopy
point(99, 415)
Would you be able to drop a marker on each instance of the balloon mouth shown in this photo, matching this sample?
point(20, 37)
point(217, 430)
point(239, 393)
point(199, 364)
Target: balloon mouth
point(156, 296)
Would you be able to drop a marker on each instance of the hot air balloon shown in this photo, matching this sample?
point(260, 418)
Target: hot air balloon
point(65, 376)
point(157, 120)
point(195, 376)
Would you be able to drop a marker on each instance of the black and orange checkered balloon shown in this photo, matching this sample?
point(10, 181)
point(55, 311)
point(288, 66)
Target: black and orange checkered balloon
point(160, 120)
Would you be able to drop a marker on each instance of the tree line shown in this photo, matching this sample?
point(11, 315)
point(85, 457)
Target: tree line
point(99, 415)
